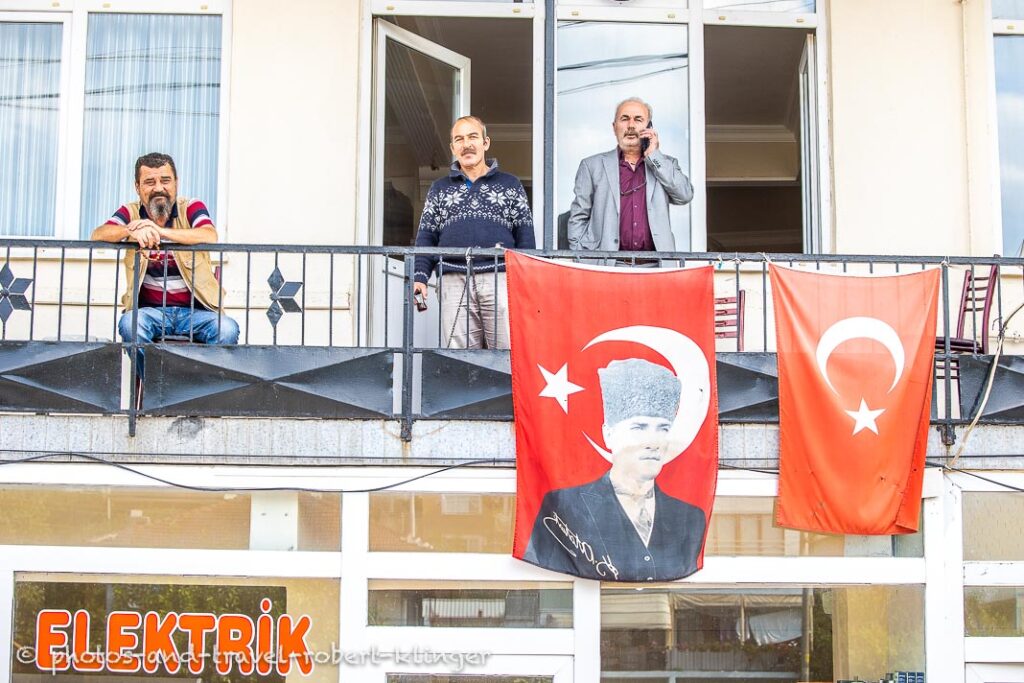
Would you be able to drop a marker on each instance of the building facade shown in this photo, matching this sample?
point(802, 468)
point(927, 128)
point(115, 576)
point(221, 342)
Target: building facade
point(337, 466)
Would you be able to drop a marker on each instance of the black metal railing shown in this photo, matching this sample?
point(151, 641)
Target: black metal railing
point(342, 319)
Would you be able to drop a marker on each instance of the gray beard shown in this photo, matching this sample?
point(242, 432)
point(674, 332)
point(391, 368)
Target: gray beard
point(159, 208)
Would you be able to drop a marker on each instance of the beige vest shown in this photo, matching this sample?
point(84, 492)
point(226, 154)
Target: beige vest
point(195, 266)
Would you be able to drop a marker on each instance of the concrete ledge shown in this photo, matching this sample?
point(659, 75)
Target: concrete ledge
point(198, 440)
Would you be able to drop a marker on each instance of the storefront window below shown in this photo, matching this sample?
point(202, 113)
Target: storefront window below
point(992, 526)
point(484, 605)
point(799, 6)
point(994, 611)
point(442, 522)
point(74, 628)
point(163, 518)
point(465, 678)
point(783, 634)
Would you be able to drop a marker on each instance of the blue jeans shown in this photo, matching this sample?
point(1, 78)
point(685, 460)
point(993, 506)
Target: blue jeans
point(156, 322)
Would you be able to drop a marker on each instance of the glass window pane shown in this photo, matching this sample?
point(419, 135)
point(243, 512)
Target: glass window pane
point(1008, 9)
point(465, 678)
point(474, 605)
point(994, 611)
point(30, 55)
point(442, 522)
point(745, 526)
point(152, 84)
point(148, 518)
point(858, 632)
point(992, 526)
point(483, 523)
point(762, 5)
point(1010, 107)
point(99, 596)
point(601, 64)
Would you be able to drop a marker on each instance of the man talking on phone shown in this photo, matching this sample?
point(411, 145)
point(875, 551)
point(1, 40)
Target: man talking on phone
point(623, 196)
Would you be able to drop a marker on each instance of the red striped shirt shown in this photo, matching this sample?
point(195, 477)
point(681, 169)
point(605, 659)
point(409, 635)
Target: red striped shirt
point(163, 284)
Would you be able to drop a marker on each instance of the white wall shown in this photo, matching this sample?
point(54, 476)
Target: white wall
point(292, 159)
point(912, 163)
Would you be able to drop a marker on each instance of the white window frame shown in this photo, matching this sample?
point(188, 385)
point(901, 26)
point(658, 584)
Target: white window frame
point(75, 16)
point(696, 17)
point(356, 565)
point(989, 573)
point(1000, 27)
point(371, 9)
point(64, 19)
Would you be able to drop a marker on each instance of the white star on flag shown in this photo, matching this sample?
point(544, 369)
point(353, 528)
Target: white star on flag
point(865, 417)
point(558, 386)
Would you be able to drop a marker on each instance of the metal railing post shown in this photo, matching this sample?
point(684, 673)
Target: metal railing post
point(133, 348)
point(407, 346)
point(945, 424)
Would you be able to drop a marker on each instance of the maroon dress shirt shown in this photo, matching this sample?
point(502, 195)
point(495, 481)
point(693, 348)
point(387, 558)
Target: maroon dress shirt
point(634, 229)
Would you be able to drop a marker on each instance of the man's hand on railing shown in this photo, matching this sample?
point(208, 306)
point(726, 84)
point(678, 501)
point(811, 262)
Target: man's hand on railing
point(145, 232)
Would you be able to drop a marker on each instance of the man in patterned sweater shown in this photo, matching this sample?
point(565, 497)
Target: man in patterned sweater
point(475, 205)
point(178, 293)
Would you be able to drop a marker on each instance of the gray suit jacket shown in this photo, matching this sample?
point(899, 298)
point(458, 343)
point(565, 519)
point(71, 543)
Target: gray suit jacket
point(594, 216)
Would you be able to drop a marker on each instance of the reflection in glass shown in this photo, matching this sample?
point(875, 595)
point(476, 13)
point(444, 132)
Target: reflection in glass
point(992, 526)
point(471, 608)
point(419, 106)
point(442, 522)
point(148, 518)
point(30, 97)
point(152, 84)
point(465, 678)
point(994, 611)
point(745, 526)
point(1010, 106)
point(601, 64)
point(762, 5)
point(1008, 9)
point(784, 634)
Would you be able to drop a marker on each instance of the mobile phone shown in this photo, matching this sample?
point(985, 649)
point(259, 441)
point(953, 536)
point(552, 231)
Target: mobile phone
point(420, 301)
point(646, 142)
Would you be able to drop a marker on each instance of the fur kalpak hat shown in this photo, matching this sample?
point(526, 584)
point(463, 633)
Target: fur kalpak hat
point(634, 387)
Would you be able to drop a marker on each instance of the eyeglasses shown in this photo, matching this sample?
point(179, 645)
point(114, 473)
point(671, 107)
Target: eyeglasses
point(631, 190)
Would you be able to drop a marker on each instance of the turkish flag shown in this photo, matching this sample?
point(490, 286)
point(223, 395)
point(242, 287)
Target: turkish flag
point(616, 417)
point(855, 386)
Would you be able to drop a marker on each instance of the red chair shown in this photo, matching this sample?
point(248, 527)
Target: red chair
point(729, 317)
point(976, 299)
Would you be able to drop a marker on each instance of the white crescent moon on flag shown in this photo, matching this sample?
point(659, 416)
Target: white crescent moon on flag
point(860, 328)
point(688, 363)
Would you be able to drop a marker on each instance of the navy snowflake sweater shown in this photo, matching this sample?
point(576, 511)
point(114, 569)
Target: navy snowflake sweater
point(493, 210)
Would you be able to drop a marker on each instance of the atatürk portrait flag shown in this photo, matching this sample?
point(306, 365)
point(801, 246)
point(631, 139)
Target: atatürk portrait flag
point(855, 386)
point(613, 382)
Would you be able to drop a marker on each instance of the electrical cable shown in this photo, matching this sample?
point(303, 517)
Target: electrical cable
point(950, 468)
point(225, 489)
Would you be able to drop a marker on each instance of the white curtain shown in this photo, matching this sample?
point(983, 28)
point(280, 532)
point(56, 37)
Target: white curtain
point(29, 115)
point(152, 84)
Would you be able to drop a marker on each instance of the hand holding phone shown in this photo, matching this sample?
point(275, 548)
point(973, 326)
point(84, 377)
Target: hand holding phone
point(645, 143)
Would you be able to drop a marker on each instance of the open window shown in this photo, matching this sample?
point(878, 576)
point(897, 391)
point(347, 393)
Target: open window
point(423, 68)
point(762, 140)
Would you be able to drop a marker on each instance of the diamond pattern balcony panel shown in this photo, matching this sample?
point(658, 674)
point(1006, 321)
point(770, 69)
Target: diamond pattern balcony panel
point(466, 384)
point(268, 381)
point(748, 387)
point(60, 377)
point(1006, 400)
